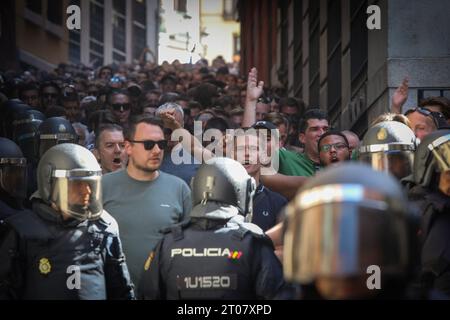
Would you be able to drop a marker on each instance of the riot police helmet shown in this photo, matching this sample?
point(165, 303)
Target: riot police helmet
point(13, 170)
point(69, 177)
point(343, 222)
point(432, 157)
point(53, 131)
point(389, 146)
point(26, 132)
point(222, 181)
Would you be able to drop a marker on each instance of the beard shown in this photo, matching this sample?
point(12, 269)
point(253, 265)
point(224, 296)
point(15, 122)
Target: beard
point(144, 168)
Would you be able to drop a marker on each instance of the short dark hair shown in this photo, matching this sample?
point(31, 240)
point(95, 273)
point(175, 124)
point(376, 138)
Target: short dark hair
point(332, 133)
point(105, 127)
point(131, 131)
point(311, 114)
point(28, 87)
point(443, 102)
point(116, 92)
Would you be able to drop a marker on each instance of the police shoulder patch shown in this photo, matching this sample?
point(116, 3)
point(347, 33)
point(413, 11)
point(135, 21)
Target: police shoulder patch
point(149, 260)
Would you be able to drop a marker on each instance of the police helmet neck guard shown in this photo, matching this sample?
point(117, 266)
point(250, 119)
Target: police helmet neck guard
point(223, 181)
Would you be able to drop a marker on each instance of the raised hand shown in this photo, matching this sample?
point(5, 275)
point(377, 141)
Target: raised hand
point(254, 88)
point(400, 96)
point(169, 121)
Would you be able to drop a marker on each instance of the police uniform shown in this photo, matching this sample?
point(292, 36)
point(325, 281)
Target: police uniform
point(44, 257)
point(432, 157)
point(67, 247)
point(215, 255)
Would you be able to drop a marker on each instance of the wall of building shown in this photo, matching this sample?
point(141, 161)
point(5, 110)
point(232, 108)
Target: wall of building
point(219, 38)
point(39, 42)
point(326, 55)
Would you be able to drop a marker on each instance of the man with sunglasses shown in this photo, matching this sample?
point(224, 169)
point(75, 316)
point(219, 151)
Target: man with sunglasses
point(50, 94)
point(423, 121)
point(120, 106)
point(142, 198)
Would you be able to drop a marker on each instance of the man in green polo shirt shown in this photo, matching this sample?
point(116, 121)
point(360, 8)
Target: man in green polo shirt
point(312, 126)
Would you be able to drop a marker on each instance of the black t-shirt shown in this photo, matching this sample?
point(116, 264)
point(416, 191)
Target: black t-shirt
point(266, 207)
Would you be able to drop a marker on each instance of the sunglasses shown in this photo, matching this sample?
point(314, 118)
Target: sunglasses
point(423, 111)
point(435, 116)
point(149, 144)
point(121, 106)
point(337, 147)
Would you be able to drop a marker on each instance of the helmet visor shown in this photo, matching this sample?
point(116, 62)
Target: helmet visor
point(78, 193)
point(13, 177)
point(442, 152)
point(49, 140)
point(395, 162)
point(343, 239)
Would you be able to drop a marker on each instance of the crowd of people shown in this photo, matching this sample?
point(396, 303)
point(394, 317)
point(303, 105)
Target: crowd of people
point(181, 181)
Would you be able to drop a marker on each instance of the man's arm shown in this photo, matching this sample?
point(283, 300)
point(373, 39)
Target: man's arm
point(117, 276)
point(189, 142)
point(285, 185)
point(254, 91)
point(400, 96)
point(11, 271)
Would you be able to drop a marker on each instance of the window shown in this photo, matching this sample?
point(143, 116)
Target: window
point(358, 43)
point(314, 62)
point(334, 59)
point(96, 33)
point(229, 10)
point(139, 30)
point(179, 5)
point(119, 33)
point(74, 41)
point(55, 11)
point(236, 44)
point(298, 57)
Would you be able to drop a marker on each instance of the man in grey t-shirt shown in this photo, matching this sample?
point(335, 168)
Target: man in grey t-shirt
point(141, 198)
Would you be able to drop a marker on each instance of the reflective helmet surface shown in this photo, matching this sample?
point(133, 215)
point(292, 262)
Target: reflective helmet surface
point(226, 181)
point(432, 156)
point(344, 220)
point(26, 132)
point(70, 177)
point(54, 131)
point(13, 169)
point(389, 146)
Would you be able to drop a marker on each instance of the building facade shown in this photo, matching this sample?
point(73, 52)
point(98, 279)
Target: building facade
point(323, 52)
point(112, 31)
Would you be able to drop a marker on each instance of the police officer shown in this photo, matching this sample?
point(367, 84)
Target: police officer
point(68, 247)
point(55, 130)
point(13, 178)
point(349, 235)
point(429, 189)
point(216, 255)
point(26, 134)
point(389, 146)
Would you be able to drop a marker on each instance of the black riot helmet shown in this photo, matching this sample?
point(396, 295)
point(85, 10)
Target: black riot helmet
point(26, 133)
point(8, 112)
point(389, 146)
point(343, 222)
point(54, 131)
point(13, 170)
point(69, 177)
point(432, 157)
point(225, 182)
